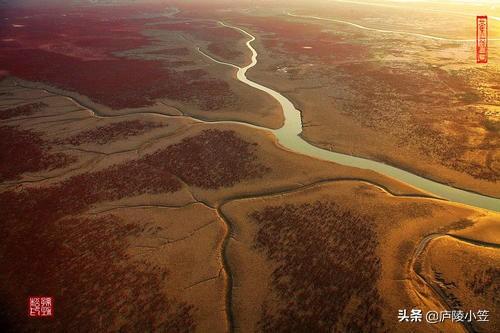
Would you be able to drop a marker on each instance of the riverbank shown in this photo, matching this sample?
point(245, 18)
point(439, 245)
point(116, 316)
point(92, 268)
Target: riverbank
point(289, 137)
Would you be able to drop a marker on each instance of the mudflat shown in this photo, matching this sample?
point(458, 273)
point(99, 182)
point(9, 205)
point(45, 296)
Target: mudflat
point(163, 201)
point(373, 82)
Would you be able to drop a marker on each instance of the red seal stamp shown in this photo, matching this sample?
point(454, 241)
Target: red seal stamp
point(482, 39)
point(40, 306)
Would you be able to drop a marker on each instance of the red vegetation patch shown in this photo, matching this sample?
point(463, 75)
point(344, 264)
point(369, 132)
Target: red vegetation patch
point(74, 195)
point(83, 263)
point(326, 272)
point(76, 31)
point(84, 41)
point(109, 82)
point(112, 132)
point(23, 110)
point(304, 39)
point(211, 159)
point(25, 151)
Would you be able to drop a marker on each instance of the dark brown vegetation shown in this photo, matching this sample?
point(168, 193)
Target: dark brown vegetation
point(327, 268)
point(83, 263)
point(441, 113)
point(475, 287)
point(486, 281)
point(29, 228)
point(23, 110)
point(111, 132)
point(74, 195)
point(457, 225)
point(25, 151)
point(448, 289)
point(452, 150)
point(212, 159)
point(451, 145)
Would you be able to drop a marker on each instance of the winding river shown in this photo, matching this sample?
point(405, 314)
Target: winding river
point(289, 137)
